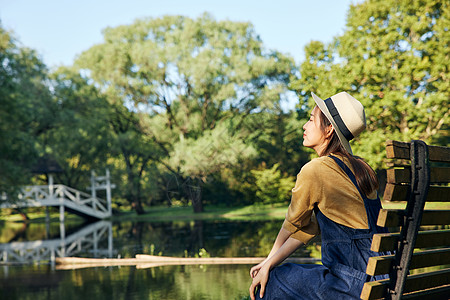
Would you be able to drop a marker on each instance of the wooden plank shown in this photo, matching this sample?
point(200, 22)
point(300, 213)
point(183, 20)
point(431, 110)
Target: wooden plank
point(398, 175)
point(430, 294)
point(395, 192)
point(72, 262)
point(394, 217)
point(438, 194)
point(425, 239)
point(390, 217)
point(422, 281)
point(437, 175)
point(416, 282)
point(374, 290)
point(438, 153)
point(378, 265)
point(396, 149)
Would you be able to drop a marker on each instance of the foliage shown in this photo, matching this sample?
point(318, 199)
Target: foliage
point(192, 83)
point(394, 58)
point(79, 138)
point(203, 253)
point(214, 150)
point(271, 186)
point(25, 111)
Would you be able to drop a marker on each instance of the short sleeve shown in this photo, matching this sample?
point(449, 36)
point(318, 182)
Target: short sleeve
point(300, 219)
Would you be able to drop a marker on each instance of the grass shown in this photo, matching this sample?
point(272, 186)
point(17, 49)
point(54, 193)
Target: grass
point(250, 212)
point(164, 213)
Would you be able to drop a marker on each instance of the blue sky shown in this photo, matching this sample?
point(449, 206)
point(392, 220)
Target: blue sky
point(61, 29)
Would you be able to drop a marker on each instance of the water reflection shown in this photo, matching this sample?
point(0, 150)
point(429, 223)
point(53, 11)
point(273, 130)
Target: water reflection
point(170, 282)
point(126, 239)
point(89, 239)
point(218, 238)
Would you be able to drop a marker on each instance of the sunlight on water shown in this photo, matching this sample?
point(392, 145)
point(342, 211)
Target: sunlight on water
point(39, 279)
point(170, 282)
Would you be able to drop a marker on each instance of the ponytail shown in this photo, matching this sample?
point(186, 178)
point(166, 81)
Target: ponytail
point(365, 176)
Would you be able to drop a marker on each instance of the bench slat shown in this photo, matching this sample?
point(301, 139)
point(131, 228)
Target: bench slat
point(396, 149)
point(431, 294)
point(394, 217)
point(395, 192)
point(437, 175)
point(374, 290)
point(425, 239)
point(381, 264)
point(416, 282)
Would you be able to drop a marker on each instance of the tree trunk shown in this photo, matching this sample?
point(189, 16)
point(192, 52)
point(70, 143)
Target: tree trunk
point(195, 193)
point(197, 205)
point(136, 204)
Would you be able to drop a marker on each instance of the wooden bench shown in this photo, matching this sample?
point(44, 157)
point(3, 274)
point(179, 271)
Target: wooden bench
point(420, 267)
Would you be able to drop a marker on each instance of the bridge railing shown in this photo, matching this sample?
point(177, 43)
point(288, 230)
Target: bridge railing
point(63, 196)
point(60, 195)
point(80, 198)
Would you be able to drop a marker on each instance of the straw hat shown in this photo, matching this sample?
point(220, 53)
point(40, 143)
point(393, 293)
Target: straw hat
point(346, 114)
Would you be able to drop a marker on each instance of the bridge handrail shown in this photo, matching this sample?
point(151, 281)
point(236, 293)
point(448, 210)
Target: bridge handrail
point(81, 198)
point(60, 193)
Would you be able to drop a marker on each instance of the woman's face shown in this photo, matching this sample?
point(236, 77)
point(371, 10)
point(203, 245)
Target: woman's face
point(313, 136)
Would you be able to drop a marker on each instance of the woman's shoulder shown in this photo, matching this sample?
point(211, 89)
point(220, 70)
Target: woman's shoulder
point(314, 165)
point(318, 161)
point(319, 166)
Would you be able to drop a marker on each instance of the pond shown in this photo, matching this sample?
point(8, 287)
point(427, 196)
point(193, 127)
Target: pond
point(30, 274)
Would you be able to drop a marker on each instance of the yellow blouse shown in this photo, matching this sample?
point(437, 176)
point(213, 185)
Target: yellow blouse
point(321, 181)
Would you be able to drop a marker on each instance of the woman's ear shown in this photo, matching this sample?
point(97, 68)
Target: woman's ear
point(329, 132)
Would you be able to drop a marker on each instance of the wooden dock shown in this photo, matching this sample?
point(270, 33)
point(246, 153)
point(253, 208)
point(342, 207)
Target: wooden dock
point(142, 261)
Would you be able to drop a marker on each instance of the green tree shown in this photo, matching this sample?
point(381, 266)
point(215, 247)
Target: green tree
point(277, 137)
point(80, 137)
point(394, 58)
point(91, 133)
point(26, 110)
point(272, 186)
point(186, 80)
point(135, 152)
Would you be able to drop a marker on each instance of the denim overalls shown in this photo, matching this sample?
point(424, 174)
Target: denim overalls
point(345, 253)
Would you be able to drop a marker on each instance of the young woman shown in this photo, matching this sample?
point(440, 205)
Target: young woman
point(334, 195)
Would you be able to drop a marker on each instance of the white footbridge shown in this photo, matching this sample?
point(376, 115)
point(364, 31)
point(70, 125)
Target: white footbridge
point(67, 198)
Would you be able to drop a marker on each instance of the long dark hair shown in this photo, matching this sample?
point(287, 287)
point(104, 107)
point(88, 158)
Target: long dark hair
point(365, 176)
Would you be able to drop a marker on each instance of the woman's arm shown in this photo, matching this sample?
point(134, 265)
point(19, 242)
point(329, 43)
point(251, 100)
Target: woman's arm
point(262, 274)
point(282, 236)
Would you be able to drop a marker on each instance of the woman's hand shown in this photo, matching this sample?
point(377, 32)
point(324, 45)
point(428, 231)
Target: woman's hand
point(260, 272)
point(255, 269)
point(282, 236)
point(259, 279)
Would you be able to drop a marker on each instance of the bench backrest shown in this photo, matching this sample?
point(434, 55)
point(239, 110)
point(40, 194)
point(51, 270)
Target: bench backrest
point(419, 269)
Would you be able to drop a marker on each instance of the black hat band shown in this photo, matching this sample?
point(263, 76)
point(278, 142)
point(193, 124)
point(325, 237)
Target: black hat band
point(338, 120)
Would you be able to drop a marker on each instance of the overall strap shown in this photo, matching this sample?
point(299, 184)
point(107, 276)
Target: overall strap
point(349, 174)
point(372, 207)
